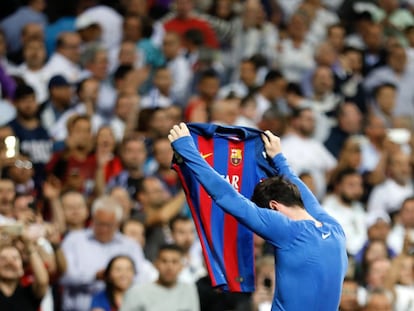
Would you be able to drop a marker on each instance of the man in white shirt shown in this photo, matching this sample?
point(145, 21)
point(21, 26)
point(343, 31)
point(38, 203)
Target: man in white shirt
point(88, 251)
point(345, 206)
point(305, 153)
point(389, 195)
point(65, 60)
point(179, 66)
point(32, 70)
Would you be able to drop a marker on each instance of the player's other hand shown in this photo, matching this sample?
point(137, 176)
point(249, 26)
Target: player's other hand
point(271, 143)
point(178, 131)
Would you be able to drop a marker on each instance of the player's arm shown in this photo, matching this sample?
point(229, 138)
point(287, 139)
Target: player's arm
point(268, 223)
point(274, 150)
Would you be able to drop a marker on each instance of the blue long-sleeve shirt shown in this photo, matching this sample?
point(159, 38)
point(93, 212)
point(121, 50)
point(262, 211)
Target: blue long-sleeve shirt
point(311, 261)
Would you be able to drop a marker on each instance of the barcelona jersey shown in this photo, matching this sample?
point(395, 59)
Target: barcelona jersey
point(237, 154)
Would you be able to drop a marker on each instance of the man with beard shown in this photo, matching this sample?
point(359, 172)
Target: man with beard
point(305, 153)
point(345, 206)
point(33, 138)
point(158, 207)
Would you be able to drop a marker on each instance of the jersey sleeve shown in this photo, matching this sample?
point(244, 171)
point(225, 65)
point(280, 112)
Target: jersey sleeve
point(271, 225)
point(310, 202)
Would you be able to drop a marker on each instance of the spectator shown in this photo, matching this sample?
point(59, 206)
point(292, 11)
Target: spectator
point(378, 300)
point(14, 23)
point(158, 207)
point(65, 60)
point(163, 154)
point(147, 296)
point(102, 242)
point(385, 96)
point(185, 18)
point(87, 96)
point(96, 63)
point(32, 71)
point(378, 229)
point(59, 101)
point(389, 195)
point(118, 277)
point(133, 156)
point(401, 280)
point(345, 206)
point(13, 294)
point(33, 139)
point(295, 53)
point(161, 94)
point(317, 160)
point(349, 296)
point(349, 123)
point(109, 164)
point(198, 106)
point(265, 283)
point(400, 233)
point(75, 165)
point(271, 94)
point(183, 234)
point(7, 195)
point(178, 65)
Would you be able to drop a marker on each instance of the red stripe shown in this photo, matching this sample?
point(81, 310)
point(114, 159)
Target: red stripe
point(196, 223)
point(206, 148)
point(230, 252)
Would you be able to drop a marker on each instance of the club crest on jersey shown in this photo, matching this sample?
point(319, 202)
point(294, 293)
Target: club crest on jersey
point(236, 156)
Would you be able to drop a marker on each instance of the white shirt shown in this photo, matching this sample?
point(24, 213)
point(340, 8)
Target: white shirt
point(352, 220)
point(155, 99)
point(60, 65)
point(295, 62)
point(86, 256)
point(404, 298)
point(182, 74)
point(309, 155)
point(59, 130)
point(388, 196)
point(38, 80)
point(110, 22)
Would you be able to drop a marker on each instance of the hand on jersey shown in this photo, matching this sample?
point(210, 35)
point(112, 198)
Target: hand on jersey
point(178, 131)
point(271, 143)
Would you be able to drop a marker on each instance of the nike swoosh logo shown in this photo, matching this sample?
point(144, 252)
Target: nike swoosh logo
point(205, 156)
point(325, 235)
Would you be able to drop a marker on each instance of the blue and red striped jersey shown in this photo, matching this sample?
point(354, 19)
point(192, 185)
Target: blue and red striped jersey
point(237, 154)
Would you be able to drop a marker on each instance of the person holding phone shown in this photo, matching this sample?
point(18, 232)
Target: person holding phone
point(309, 245)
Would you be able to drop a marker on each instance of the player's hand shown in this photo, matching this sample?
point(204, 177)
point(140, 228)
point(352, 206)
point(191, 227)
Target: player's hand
point(271, 143)
point(178, 131)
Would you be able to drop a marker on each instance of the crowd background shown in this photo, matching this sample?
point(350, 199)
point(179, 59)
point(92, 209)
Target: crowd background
point(91, 215)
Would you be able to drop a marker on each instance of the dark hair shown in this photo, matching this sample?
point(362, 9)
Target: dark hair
point(378, 88)
point(208, 73)
point(272, 76)
point(122, 71)
point(342, 174)
point(177, 218)
point(279, 189)
point(109, 290)
point(194, 36)
point(170, 247)
point(23, 90)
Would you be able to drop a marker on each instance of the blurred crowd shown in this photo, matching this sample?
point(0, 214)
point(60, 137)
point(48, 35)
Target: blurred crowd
point(92, 217)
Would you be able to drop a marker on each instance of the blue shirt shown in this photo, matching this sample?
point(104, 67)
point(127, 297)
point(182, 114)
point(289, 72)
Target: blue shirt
point(311, 261)
point(100, 300)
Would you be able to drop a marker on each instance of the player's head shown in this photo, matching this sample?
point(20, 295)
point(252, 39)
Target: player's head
point(275, 192)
